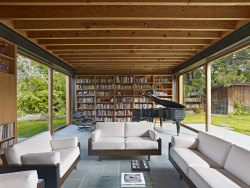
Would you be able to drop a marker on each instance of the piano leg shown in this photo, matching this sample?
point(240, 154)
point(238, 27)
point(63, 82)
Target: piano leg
point(178, 127)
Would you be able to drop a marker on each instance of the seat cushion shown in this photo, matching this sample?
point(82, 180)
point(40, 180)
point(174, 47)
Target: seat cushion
point(68, 157)
point(111, 129)
point(186, 158)
point(213, 147)
point(238, 163)
point(27, 179)
point(109, 143)
point(133, 129)
point(209, 177)
point(36, 144)
point(140, 143)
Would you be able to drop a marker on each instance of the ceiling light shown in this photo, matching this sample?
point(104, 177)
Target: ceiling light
point(94, 24)
point(145, 24)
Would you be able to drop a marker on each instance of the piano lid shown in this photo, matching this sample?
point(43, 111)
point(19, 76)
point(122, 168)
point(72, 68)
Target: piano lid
point(166, 103)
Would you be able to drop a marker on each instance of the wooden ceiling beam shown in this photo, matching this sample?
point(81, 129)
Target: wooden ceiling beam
point(124, 34)
point(123, 53)
point(123, 56)
point(125, 12)
point(165, 25)
point(128, 2)
point(124, 41)
point(124, 60)
point(124, 47)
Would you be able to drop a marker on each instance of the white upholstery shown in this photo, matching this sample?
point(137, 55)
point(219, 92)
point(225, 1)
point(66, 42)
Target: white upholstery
point(109, 143)
point(140, 143)
point(111, 129)
point(186, 158)
point(68, 157)
point(213, 147)
point(95, 135)
point(154, 135)
point(209, 177)
point(41, 158)
point(140, 129)
point(184, 142)
point(35, 144)
point(238, 163)
point(27, 179)
point(64, 143)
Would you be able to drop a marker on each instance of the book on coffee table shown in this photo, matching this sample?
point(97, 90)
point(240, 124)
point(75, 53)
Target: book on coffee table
point(132, 180)
point(140, 165)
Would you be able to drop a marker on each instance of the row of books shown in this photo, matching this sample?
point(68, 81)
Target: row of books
point(7, 130)
point(86, 106)
point(105, 112)
point(143, 106)
point(104, 106)
point(105, 80)
point(125, 99)
point(111, 99)
point(124, 105)
point(193, 106)
point(124, 112)
point(165, 86)
point(141, 79)
point(141, 99)
point(85, 80)
point(6, 144)
point(88, 99)
point(85, 93)
point(104, 93)
point(124, 119)
point(168, 79)
point(110, 86)
point(85, 87)
point(143, 86)
point(161, 93)
point(106, 119)
point(124, 79)
point(124, 86)
point(89, 112)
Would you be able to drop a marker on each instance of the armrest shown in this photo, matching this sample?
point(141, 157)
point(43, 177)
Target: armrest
point(41, 158)
point(19, 179)
point(154, 135)
point(184, 142)
point(64, 143)
point(95, 135)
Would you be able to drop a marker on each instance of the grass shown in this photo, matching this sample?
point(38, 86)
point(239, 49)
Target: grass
point(28, 129)
point(239, 123)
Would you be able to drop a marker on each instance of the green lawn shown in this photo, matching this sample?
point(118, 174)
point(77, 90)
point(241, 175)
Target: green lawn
point(239, 124)
point(28, 129)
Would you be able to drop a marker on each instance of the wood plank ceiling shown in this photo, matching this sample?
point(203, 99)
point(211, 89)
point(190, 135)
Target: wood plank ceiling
point(124, 34)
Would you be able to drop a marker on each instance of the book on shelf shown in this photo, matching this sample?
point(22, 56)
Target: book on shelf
point(7, 130)
point(132, 180)
point(124, 79)
point(85, 80)
point(141, 80)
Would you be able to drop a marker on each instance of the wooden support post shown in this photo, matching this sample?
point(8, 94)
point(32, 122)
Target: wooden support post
point(68, 100)
point(208, 96)
point(180, 89)
point(50, 100)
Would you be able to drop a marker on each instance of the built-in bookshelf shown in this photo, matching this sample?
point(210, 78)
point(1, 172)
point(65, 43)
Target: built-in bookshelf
point(115, 97)
point(194, 101)
point(8, 99)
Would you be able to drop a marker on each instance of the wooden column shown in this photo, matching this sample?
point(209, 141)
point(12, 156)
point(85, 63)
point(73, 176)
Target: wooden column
point(180, 89)
point(68, 100)
point(208, 96)
point(50, 100)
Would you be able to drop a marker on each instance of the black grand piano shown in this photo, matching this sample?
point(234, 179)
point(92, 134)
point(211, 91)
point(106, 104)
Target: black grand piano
point(170, 111)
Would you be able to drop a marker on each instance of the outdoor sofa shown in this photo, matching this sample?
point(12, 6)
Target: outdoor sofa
point(209, 161)
point(124, 138)
point(53, 159)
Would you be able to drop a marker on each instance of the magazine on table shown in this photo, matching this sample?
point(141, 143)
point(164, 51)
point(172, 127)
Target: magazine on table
point(132, 180)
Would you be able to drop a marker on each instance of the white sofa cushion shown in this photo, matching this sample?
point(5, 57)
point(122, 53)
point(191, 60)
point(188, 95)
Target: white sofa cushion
point(64, 143)
point(27, 179)
point(68, 157)
point(154, 135)
point(35, 144)
point(238, 163)
point(140, 129)
point(209, 177)
point(109, 143)
point(111, 129)
point(95, 135)
point(186, 158)
point(213, 147)
point(184, 142)
point(41, 158)
point(140, 143)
